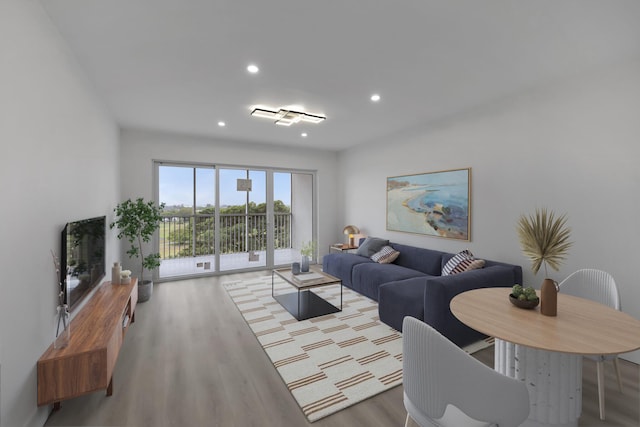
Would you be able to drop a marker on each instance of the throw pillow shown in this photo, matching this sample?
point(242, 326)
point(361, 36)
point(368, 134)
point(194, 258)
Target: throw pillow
point(386, 255)
point(476, 264)
point(458, 263)
point(370, 246)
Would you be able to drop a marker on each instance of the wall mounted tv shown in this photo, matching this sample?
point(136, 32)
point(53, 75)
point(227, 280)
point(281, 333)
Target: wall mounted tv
point(82, 258)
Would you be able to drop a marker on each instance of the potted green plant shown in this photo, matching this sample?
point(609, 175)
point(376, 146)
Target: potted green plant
point(137, 221)
point(306, 251)
point(544, 239)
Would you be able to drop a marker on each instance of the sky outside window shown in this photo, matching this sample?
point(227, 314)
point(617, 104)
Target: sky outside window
point(176, 186)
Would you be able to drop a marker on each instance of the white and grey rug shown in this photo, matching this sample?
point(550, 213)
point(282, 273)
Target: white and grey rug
point(329, 362)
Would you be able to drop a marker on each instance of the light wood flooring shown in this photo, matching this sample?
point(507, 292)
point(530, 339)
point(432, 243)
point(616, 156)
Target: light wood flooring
point(190, 360)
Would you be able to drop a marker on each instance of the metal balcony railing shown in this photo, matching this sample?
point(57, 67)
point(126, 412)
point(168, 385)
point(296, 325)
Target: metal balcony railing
point(184, 236)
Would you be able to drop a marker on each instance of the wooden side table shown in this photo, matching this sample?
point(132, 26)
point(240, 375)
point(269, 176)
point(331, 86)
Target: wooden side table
point(342, 248)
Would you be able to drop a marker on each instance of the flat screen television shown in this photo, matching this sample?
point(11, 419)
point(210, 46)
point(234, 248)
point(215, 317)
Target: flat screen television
point(82, 258)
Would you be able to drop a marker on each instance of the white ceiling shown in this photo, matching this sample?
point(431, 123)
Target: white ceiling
point(180, 65)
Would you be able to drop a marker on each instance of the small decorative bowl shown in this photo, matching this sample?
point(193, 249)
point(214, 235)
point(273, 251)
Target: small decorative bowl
point(524, 304)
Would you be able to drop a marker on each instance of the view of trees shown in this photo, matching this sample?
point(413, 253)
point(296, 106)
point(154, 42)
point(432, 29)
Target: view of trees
point(240, 231)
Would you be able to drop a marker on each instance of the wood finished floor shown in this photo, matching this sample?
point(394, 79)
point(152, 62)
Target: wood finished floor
point(190, 360)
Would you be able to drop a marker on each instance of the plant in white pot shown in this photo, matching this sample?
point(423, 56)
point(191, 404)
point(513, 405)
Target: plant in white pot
point(137, 221)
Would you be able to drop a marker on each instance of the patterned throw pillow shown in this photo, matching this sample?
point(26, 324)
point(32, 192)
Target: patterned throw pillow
point(476, 264)
point(459, 263)
point(386, 255)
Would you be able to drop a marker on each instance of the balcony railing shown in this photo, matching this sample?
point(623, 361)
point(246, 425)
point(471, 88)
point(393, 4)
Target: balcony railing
point(194, 235)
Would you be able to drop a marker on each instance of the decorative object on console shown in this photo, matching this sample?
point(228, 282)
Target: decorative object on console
point(125, 277)
point(62, 320)
point(350, 230)
point(63, 327)
point(545, 240)
point(137, 222)
point(116, 272)
point(442, 201)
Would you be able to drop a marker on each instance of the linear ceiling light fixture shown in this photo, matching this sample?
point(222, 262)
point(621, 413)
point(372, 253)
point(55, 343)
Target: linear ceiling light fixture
point(285, 117)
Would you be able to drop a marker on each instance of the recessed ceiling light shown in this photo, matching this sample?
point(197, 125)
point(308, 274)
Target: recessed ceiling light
point(303, 134)
point(375, 97)
point(253, 69)
point(221, 124)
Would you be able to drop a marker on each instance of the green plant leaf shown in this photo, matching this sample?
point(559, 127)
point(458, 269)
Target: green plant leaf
point(137, 221)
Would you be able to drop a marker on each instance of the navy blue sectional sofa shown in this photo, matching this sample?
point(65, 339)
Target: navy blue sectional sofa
point(413, 286)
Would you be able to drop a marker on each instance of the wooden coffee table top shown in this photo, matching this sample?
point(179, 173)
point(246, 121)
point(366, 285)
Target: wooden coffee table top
point(581, 326)
point(320, 278)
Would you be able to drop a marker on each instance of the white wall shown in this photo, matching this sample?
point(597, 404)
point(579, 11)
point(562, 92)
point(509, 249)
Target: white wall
point(59, 151)
point(141, 148)
point(572, 147)
point(302, 209)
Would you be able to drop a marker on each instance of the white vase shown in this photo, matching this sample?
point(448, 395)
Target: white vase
point(116, 270)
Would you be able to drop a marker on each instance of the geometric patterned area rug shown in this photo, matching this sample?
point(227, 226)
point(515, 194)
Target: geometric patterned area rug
point(330, 362)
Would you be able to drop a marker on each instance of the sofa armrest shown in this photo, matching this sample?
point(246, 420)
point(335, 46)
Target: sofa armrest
point(440, 290)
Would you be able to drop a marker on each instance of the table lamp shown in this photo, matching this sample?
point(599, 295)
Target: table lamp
point(351, 230)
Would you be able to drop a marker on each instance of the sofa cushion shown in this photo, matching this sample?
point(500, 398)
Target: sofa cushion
point(386, 255)
point(427, 261)
point(341, 264)
point(458, 263)
point(367, 278)
point(370, 246)
point(399, 299)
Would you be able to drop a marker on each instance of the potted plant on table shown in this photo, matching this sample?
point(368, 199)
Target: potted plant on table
point(137, 221)
point(544, 239)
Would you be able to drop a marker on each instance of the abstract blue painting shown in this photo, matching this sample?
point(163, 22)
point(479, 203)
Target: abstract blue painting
point(434, 203)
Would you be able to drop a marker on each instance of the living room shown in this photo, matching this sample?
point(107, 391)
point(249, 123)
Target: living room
point(567, 142)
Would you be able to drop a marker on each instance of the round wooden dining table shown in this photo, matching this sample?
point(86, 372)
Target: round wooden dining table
point(546, 352)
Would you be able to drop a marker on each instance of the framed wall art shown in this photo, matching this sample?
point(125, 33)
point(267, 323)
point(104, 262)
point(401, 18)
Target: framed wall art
point(433, 203)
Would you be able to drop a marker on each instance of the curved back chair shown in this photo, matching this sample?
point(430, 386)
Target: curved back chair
point(444, 386)
point(599, 286)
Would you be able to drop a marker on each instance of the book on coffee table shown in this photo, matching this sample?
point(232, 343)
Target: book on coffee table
point(308, 277)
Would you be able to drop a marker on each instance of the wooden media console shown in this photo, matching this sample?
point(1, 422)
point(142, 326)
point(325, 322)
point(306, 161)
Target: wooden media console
point(97, 332)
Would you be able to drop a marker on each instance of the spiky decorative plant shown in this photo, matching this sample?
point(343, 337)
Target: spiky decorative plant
point(544, 238)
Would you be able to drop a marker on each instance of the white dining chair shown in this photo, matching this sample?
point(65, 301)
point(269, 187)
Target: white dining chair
point(445, 386)
point(599, 286)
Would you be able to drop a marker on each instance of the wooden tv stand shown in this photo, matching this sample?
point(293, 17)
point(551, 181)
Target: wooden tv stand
point(97, 332)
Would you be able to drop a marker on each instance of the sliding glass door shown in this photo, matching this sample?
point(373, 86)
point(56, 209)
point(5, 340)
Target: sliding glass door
point(243, 219)
point(187, 233)
point(220, 218)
